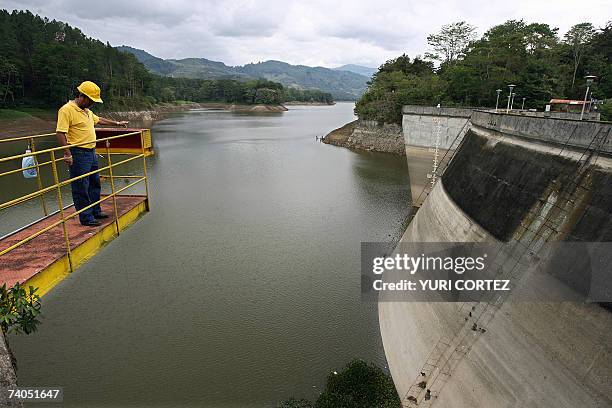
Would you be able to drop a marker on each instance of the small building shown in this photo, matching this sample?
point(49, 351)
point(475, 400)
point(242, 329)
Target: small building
point(567, 105)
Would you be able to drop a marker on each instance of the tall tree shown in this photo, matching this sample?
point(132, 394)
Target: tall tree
point(451, 41)
point(512, 52)
point(578, 38)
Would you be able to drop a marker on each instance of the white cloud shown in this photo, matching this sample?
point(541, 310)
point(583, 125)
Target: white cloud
point(315, 32)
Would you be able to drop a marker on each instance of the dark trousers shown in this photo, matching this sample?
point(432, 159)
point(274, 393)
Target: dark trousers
point(85, 190)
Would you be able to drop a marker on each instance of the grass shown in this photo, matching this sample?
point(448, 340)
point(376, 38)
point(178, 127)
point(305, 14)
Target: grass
point(23, 113)
point(9, 114)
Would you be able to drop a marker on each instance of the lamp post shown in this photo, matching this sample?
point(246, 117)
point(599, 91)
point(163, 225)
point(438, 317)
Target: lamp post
point(497, 101)
point(512, 100)
point(511, 86)
point(589, 82)
point(523, 106)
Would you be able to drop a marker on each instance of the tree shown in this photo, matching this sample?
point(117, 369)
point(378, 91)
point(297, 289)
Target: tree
point(19, 312)
point(267, 96)
point(8, 80)
point(167, 94)
point(529, 55)
point(512, 52)
point(598, 59)
point(398, 82)
point(451, 41)
point(294, 403)
point(359, 385)
point(19, 309)
point(578, 38)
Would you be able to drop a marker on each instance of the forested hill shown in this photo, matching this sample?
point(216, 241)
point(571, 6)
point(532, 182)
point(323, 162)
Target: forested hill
point(358, 69)
point(342, 84)
point(535, 57)
point(42, 61)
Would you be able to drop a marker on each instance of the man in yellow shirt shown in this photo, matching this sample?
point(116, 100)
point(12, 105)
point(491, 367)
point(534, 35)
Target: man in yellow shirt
point(75, 125)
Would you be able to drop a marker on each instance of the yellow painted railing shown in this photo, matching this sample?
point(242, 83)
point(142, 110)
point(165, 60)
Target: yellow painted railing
point(57, 184)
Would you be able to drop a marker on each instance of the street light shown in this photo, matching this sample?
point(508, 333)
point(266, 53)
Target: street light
point(589, 82)
point(512, 101)
point(497, 101)
point(523, 107)
point(511, 86)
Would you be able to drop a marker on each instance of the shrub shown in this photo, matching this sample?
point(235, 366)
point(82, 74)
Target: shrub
point(358, 385)
point(19, 309)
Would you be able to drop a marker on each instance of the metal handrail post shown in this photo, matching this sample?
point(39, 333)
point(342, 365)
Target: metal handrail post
point(144, 169)
point(112, 182)
point(61, 208)
point(38, 179)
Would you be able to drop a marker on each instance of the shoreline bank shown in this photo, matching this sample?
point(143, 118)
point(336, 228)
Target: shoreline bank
point(368, 136)
point(300, 103)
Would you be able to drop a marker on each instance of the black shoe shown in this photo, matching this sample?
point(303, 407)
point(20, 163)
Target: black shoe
point(92, 223)
point(100, 216)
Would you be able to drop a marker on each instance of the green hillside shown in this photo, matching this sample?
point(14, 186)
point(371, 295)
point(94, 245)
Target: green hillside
point(343, 85)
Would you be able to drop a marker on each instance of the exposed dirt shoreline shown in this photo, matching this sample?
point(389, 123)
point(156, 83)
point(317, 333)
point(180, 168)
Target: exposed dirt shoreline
point(368, 136)
point(339, 137)
point(298, 103)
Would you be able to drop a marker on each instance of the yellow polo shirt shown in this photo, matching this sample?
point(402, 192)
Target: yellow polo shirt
point(78, 124)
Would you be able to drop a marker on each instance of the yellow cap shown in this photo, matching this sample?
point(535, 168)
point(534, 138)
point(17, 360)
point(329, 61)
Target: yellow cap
point(91, 90)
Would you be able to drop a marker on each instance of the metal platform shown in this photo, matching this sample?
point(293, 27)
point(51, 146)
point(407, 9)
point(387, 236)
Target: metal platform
point(44, 252)
point(44, 261)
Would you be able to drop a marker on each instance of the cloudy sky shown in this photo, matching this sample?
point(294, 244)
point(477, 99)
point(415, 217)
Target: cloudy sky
point(310, 32)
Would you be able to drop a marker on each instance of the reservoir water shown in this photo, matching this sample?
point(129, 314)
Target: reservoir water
point(241, 287)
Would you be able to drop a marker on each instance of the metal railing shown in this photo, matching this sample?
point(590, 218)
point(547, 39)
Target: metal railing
point(58, 184)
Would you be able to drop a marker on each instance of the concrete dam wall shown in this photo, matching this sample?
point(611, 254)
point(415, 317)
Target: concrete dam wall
point(519, 181)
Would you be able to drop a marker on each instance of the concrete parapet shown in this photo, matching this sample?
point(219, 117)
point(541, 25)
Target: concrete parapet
point(573, 133)
point(555, 115)
point(433, 111)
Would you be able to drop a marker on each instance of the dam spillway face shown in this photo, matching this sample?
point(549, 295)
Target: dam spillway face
point(521, 182)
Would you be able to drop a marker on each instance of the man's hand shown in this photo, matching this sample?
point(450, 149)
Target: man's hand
point(68, 158)
point(61, 139)
point(123, 123)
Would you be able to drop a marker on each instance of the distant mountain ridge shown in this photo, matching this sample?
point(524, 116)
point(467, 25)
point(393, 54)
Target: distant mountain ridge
point(358, 69)
point(342, 84)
